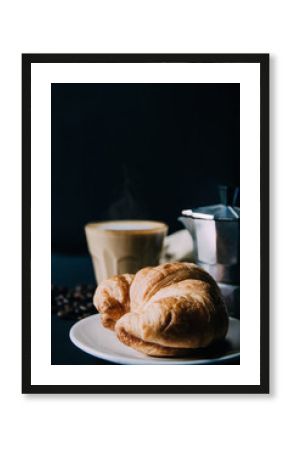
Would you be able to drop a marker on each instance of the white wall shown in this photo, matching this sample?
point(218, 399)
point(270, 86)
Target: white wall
point(149, 26)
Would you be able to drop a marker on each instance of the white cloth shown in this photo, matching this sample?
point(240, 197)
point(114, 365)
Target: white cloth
point(177, 247)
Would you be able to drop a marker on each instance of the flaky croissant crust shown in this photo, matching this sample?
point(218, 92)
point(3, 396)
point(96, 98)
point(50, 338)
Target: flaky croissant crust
point(112, 299)
point(171, 309)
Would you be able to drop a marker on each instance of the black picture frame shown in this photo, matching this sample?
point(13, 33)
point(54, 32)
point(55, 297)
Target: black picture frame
point(263, 60)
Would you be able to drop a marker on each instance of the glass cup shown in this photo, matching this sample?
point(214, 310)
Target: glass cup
point(124, 246)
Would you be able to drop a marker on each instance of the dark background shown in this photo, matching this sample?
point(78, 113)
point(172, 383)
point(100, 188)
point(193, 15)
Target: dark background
point(132, 151)
point(135, 151)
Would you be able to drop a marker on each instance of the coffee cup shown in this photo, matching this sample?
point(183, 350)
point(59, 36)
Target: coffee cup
point(124, 246)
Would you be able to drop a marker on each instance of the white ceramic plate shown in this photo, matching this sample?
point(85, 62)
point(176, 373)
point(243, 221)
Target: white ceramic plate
point(90, 336)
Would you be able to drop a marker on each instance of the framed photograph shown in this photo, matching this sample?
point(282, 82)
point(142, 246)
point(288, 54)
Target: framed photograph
point(139, 274)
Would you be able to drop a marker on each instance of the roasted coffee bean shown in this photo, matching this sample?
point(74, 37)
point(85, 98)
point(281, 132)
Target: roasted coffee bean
point(66, 313)
point(83, 308)
point(59, 301)
point(61, 313)
point(79, 288)
point(68, 308)
point(78, 296)
point(62, 290)
point(73, 303)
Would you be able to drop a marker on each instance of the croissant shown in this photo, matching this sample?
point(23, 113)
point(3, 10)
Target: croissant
point(171, 309)
point(112, 299)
